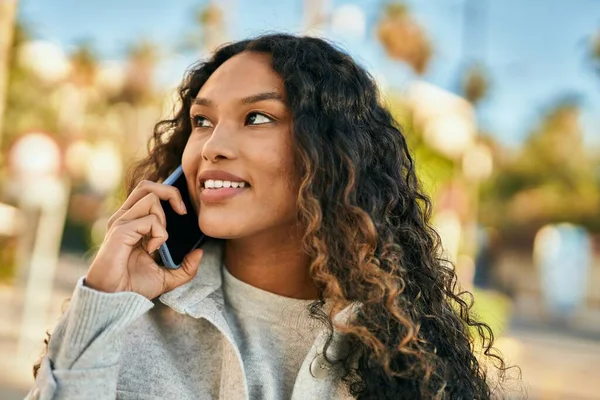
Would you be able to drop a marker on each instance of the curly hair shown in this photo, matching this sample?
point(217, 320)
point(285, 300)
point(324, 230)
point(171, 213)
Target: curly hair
point(367, 228)
point(367, 225)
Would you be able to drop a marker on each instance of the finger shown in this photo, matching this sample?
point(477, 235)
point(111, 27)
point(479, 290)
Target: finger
point(155, 242)
point(189, 267)
point(131, 232)
point(150, 204)
point(162, 191)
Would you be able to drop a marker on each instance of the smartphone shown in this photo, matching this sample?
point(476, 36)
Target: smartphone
point(184, 233)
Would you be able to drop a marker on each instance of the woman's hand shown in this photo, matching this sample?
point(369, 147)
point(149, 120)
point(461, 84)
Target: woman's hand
point(137, 229)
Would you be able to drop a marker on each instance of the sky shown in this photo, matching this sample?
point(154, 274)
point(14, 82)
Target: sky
point(534, 50)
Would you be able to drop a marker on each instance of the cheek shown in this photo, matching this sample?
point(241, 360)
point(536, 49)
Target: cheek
point(190, 162)
point(282, 183)
point(269, 204)
point(191, 158)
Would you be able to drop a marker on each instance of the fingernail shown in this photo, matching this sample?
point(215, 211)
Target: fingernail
point(183, 207)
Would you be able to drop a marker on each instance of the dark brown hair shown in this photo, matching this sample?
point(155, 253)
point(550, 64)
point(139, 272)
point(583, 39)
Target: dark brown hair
point(367, 226)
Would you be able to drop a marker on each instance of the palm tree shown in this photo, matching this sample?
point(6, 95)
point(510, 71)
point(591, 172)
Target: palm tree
point(403, 38)
point(315, 17)
point(139, 81)
point(84, 65)
point(212, 21)
point(475, 84)
point(594, 52)
point(23, 110)
point(551, 178)
point(209, 29)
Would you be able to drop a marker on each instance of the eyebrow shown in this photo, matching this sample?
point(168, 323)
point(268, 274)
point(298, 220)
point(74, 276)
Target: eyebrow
point(201, 101)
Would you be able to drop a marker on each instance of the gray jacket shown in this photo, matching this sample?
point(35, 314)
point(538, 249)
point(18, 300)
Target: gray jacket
point(122, 345)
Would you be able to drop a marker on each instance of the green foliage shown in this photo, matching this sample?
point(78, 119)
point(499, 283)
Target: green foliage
point(493, 308)
point(8, 249)
point(433, 169)
point(27, 105)
point(551, 179)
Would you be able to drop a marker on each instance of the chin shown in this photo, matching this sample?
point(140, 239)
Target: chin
point(221, 234)
point(227, 228)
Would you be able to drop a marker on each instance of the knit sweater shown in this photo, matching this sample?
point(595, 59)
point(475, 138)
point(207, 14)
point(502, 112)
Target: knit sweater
point(183, 345)
point(265, 322)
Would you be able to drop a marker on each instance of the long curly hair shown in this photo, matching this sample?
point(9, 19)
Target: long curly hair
point(367, 226)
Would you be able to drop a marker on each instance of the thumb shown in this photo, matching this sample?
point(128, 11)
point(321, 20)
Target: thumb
point(187, 270)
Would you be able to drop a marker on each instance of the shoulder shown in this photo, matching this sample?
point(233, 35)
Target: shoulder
point(163, 326)
point(160, 345)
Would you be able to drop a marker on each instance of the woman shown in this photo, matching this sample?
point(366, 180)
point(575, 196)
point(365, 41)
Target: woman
point(329, 281)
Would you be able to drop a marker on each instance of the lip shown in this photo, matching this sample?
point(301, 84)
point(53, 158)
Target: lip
point(221, 194)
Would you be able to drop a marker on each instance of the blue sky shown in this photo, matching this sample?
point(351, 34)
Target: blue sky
point(534, 49)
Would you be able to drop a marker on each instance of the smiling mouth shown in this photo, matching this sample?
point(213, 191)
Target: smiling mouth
point(220, 184)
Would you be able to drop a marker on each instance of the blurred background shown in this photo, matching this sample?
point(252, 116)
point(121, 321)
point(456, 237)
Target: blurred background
point(499, 100)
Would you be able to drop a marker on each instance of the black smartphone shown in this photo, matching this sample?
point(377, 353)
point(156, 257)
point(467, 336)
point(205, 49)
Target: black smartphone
point(184, 233)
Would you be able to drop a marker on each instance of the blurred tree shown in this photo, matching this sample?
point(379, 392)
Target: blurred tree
point(212, 19)
point(76, 107)
point(433, 169)
point(551, 179)
point(24, 110)
point(78, 94)
point(209, 31)
point(475, 79)
point(315, 16)
point(142, 58)
point(8, 11)
point(84, 65)
point(403, 38)
point(475, 84)
point(594, 52)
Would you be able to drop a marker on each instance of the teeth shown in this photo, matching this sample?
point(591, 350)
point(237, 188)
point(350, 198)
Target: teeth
point(217, 184)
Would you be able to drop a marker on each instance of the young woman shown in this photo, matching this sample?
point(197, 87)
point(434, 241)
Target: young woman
point(327, 281)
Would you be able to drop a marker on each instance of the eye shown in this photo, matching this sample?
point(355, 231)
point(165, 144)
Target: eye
point(257, 119)
point(198, 121)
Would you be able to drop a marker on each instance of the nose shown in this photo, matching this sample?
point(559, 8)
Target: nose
point(220, 145)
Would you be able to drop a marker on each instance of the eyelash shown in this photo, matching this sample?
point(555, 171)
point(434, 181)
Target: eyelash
point(197, 117)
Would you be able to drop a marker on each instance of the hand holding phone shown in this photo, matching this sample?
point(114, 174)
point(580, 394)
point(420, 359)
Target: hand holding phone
point(183, 230)
point(124, 263)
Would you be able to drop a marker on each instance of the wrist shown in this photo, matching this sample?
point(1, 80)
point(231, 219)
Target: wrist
point(86, 282)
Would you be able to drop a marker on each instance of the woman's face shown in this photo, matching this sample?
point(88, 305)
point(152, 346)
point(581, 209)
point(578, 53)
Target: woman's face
point(239, 159)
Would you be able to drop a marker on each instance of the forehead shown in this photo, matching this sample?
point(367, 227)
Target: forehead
point(242, 75)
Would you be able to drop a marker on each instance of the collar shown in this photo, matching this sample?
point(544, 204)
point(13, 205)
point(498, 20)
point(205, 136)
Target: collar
point(209, 280)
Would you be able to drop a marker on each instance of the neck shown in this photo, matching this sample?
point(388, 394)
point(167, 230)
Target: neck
point(271, 263)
